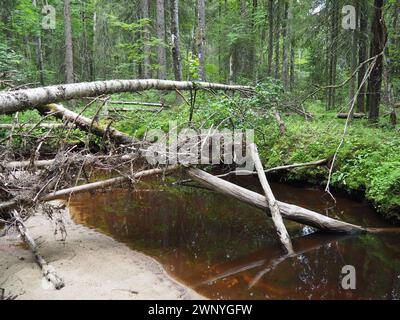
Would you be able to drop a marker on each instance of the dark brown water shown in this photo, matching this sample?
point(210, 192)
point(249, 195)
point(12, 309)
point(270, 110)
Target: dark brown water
point(227, 250)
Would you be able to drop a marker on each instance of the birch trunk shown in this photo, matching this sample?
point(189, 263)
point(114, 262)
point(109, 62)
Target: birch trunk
point(176, 51)
point(23, 99)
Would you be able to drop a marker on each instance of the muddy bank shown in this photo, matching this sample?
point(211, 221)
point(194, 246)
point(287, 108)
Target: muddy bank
point(93, 266)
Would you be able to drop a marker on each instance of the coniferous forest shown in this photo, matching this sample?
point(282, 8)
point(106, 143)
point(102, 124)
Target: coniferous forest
point(250, 146)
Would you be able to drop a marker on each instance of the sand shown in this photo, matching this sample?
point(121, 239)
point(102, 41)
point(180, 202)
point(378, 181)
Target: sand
point(93, 266)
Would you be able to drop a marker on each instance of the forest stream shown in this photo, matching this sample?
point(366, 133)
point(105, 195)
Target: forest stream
point(225, 249)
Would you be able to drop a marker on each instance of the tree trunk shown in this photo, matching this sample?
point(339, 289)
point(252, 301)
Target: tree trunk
point(270, 36)
point(377, 47)
point(146, 38)
point(271, 202)
point(176, 52)
point(162, 56)
point(39, 52)
point(277, 39)
point(362, 54)
point(333, 54)
point(292, 65)
point(13, 101)
point(353, 58)
point(288, 211)
point(86, 124)
point(286, 47)
point(69, 60)
point(202, 27)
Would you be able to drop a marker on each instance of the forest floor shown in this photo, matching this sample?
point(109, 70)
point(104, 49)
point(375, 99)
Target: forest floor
point(93, 266)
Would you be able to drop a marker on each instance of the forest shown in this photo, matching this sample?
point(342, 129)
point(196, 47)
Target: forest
point(107, 109)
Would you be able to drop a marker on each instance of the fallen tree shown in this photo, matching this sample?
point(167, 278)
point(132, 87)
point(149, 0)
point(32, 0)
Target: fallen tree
point(23, 99)
point(86, 124)
point(271, 202)
point(136, 110)
point(47, 271)
point(133, 103)
point(288, 211)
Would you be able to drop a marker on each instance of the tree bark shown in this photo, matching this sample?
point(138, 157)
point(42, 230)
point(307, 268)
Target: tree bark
point(69, 60)
point(271, 202)
point(176, 51)
point(377, 46)
point(162, 56)
point(13, 101)
point(201, 11)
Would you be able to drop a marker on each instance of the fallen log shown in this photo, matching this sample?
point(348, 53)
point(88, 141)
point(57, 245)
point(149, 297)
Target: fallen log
point(271, 202)
point(30, 98)
point(355, 115)
point(133, 103)
point(136, 110)
point(87, 124)
point(47, 270)
point(288, 211)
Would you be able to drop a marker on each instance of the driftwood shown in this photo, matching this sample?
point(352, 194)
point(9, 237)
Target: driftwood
point(47, 270)
point(271, 202)
point(288, 211)
point(355, 115)
point(30, 98)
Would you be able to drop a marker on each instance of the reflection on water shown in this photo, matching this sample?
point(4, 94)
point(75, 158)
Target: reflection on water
point(228, 250)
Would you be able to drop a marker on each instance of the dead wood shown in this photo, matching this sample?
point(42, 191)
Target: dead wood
point(288, 211)
point(355, 115)
point(87, 124)
point(30, 98)
point(47, 270)
point(271, 202)
point(281, 123)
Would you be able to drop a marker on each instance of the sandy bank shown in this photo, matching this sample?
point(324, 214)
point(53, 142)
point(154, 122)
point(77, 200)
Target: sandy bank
point(93, 266)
